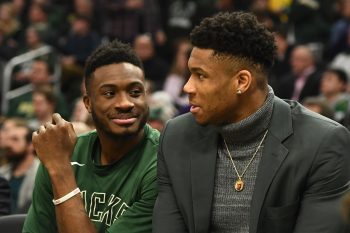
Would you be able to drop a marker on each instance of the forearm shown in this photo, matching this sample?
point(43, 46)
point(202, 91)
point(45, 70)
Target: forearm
point(71, 214)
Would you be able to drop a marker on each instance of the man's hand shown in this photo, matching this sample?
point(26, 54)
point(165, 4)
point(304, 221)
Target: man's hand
point(54, 143)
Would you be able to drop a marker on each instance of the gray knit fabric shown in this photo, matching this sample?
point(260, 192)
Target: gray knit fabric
point(230, 210)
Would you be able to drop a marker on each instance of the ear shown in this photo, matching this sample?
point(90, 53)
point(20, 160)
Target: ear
point(244, 80)
point(87, 103)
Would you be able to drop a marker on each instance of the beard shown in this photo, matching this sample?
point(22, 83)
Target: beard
point(124, 136)
point(15, 158)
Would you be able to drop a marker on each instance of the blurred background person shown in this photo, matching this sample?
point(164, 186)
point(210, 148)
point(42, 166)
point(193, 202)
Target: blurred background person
point(21, 168)
point(178, 75)
point(333, 92)
point(5, 203)
point(161, 108)
point(154, 66)
point(126, 19)
point(44, 105)
point(304, 78)
point(40, 75)
point(319, 105)
point(76, 47)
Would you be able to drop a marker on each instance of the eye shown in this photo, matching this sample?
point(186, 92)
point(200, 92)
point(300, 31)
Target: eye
point(108, 93)
point(136, 92)
point(201, 77)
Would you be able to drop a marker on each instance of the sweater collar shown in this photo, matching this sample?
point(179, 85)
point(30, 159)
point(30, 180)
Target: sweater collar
point(248, 129)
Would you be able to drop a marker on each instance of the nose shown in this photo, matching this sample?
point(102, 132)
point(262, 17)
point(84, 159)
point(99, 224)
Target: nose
point(189, 87)
point(123, 102)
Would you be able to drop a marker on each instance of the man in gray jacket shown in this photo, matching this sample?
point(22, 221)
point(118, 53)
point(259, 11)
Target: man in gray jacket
point(244, 160)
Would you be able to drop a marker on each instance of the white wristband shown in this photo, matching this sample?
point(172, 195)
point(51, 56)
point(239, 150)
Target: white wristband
point(66, 197)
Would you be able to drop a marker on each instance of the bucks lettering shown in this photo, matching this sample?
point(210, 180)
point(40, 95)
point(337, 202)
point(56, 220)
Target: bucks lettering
point(102, 207)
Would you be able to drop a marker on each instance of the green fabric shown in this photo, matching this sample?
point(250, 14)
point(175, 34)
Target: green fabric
point(118, 197)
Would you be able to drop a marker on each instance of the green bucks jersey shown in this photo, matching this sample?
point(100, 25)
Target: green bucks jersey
point(118, 197)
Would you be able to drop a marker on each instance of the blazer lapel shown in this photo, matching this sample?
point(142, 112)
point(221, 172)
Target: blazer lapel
point(274, 153)
point(203, 161)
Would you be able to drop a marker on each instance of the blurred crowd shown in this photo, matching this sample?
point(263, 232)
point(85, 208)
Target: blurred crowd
point(312, 64)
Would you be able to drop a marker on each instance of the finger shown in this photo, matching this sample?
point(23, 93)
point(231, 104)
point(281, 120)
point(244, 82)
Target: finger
point(48, 125)
point(41, 129)
point(34, 135)
point(57, 119)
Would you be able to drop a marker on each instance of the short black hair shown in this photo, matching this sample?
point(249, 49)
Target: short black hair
point(340, 73)
point(236, 35)
point(110, 53)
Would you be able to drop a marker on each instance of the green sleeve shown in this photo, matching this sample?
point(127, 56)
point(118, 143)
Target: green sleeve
point(138, 217)
point(41, 215)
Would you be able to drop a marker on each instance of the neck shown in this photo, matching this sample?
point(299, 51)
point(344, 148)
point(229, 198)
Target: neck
point(114, 149)
point(252, 126)
point(250, 102)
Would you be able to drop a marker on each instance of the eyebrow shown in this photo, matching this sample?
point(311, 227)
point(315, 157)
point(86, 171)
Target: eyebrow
point(196, 69)
point(135, 83)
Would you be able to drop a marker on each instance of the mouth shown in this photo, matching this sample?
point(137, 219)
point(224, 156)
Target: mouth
point(124, 120)
point(194, 109)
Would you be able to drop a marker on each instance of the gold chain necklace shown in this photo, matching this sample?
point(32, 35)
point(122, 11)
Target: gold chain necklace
point(239, 184)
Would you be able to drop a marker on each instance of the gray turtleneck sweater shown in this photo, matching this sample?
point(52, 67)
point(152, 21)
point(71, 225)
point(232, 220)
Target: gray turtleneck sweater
point(230, 210)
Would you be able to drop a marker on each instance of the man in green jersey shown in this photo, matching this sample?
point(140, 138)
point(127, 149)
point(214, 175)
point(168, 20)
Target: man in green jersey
point(113, 168)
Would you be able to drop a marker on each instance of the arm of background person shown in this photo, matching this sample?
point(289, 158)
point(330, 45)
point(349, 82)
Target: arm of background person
point(41, 215)
point(327, 184)
point(5, 203)
point(166, 214)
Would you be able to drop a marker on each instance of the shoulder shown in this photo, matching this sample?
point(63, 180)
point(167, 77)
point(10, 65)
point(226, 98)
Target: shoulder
point(304, 117)
point(305, 128)
point(183, 130)
point(152, 135)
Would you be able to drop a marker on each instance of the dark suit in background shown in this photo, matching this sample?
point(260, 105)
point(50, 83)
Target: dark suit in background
point(5, 203)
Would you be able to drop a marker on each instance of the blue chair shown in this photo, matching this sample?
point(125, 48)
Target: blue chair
point(12, 223)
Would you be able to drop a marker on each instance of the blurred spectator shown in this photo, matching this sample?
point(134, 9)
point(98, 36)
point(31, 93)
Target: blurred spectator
point(80, 42)
point(5, 202)
point(10, 28)
point(86, 9)
point(318, 105)
point(342, 59)
point(39, 19)
point(304, 78)
point(7, 124)
point(32, 42)
point(339, 35)
point(178, 74)
point(333, 92)
point(179, 17)
point(22, 104)
point(22, 166)
point(310, 21)
point(81, 118)
point(281, 66)
point(155, 68)
point(9, 24)
point(125, 19)
point(161, 109)
point(44, 105)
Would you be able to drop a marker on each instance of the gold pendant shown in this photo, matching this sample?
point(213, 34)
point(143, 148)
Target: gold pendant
point(239, 185)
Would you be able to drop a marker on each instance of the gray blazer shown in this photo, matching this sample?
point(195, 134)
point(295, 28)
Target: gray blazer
point(303, 173)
